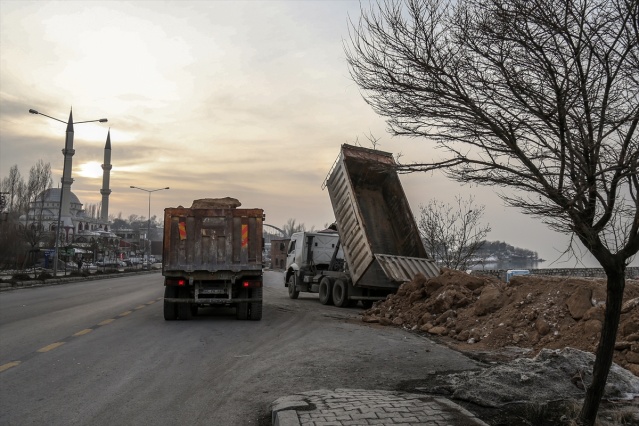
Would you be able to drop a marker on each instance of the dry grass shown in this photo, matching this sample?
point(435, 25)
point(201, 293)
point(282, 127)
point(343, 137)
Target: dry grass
point(567, 413)
point(623, 415)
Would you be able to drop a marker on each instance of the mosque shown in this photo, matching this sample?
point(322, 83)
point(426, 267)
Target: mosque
point(88, 236)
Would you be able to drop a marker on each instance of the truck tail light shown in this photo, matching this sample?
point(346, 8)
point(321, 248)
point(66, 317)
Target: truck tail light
point(251, 284)
point(176, 281)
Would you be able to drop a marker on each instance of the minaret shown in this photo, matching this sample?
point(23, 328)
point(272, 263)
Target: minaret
point(106, 173)
point(67, 180)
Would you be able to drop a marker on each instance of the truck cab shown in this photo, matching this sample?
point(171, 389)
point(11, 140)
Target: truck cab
point(310, 253)
point(322, 246)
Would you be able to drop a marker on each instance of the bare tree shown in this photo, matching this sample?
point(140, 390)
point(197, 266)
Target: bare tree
point(15, 188)
point(10, 185)
point(292, 227)
point(39, 181)
point(92, 210)
point(453, 234)
point(11, 243)
point(538, 96)
point(11, 234)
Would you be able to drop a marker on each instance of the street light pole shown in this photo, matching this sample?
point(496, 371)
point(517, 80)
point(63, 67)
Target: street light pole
point(66, 173)
point(148, 228)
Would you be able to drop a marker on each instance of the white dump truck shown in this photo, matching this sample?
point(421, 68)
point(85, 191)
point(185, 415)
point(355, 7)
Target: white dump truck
point(376, 246)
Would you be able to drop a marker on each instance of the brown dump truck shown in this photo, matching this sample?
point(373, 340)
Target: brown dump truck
point(212, 256)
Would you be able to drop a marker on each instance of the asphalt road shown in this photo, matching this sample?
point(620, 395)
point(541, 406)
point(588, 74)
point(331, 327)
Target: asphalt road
point(100, 353)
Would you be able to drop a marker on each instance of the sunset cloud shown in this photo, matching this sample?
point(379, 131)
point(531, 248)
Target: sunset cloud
point(244, 99)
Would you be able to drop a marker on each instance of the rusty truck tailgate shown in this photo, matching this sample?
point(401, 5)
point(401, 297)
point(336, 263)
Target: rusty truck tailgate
point(212, 240)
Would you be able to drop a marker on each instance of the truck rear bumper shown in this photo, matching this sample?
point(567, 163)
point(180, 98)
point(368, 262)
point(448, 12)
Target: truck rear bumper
point(202, 301)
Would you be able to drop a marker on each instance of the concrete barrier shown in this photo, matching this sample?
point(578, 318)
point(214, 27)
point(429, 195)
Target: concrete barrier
point(7, 286)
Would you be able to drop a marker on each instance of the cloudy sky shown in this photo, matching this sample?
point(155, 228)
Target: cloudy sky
point(250, 100)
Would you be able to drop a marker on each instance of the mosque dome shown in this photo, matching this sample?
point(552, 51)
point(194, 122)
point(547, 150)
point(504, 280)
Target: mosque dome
point(52, 195)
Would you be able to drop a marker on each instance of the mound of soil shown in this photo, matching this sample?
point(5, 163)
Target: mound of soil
point(216, 203)
point(482, 314)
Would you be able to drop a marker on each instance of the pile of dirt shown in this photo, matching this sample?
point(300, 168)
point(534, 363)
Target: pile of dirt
point(216, 203)
point(481, 313)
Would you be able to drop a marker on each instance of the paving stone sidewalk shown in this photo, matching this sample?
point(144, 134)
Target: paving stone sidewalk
point(343, 407)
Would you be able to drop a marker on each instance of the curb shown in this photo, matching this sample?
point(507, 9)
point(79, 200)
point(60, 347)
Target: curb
point(286, 418)
point(7, 286)
point(283, 410)
point(459, 408)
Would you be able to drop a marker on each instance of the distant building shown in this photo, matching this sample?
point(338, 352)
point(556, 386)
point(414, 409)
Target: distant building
point(86, 235)
point(279, 249)
point(90, 237)
point(131, 242)
point(45, 210)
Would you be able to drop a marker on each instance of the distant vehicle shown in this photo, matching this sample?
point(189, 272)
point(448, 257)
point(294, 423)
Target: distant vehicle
point(112, 263)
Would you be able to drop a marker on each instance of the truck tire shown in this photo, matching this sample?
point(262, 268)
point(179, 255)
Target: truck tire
point(325, 289)
point(184, 309)
point(340, 294)
point(170, 308)
point(255, 309)
point(293, 293)
point(242, 307)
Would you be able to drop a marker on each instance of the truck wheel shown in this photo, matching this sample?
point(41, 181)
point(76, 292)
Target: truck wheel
point(194, 308)
point(184, 309)
point(170, 308)
point(293, 293)
point(340, 294)
point(255, 313)
point(242, 307)
point(325, 289)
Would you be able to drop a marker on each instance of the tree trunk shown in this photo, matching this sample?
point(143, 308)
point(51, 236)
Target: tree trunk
point(605, 351)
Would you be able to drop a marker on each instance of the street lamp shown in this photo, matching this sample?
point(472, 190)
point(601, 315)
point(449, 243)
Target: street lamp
point(67, 152)
point(148, 229)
